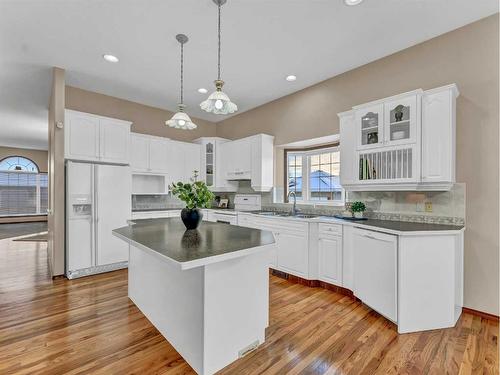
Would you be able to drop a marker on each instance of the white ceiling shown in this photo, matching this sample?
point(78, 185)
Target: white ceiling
point(263, 41)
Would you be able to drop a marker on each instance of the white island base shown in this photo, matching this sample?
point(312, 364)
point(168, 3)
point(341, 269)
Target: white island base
point(211, 314)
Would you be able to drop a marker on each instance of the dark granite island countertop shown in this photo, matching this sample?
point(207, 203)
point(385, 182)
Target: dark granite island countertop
point(210, 243)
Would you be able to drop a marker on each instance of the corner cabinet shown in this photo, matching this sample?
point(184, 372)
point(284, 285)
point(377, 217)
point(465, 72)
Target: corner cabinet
point(211, 165)
point(89, 137)
point(226, 162)
point(405, 142)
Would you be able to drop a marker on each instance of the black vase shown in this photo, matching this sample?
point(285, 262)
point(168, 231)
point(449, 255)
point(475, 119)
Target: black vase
point(191, 218)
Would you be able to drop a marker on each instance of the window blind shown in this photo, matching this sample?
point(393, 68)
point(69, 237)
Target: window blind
point(23, 193)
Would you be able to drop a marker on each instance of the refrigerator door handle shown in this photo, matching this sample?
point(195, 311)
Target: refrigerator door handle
point(96, 213)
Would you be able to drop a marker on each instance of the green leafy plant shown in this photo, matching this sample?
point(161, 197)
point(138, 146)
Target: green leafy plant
point(358, 207)
point(195, 193)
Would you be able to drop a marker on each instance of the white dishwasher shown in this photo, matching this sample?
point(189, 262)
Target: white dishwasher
point(375, 271)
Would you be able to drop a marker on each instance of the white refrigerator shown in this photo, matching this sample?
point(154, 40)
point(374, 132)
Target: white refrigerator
point(98, 200)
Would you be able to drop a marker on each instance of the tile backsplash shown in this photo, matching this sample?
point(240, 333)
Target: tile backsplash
point(155, 202)
point(446, 207)
point(442, 206)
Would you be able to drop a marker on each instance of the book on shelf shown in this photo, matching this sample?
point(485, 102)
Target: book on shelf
point(366, 170)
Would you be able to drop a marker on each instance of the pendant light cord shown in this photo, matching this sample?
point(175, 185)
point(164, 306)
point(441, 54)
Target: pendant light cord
point(218, 56)
point(182, 73)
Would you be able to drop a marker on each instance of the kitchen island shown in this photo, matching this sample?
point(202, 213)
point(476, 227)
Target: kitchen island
point(205, 290)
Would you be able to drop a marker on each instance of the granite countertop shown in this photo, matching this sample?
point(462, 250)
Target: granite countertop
point(155, 209)
point(179, 208)
point(210, 243)
point(386, 226)
point(405, 226)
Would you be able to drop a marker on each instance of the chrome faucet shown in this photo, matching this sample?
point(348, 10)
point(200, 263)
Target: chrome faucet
point(295, 210)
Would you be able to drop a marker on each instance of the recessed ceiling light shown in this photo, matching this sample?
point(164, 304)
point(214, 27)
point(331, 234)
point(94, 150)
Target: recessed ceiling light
point(110, 58)
point(202, 90)
point(291, 78)
point(352, 2)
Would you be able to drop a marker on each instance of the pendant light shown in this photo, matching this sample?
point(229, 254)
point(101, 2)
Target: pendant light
point(181, 119)
point(218, 102)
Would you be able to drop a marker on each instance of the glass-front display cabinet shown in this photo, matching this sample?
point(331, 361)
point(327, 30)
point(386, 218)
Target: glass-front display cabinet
point(400, 121)
point(369, 126)
point(209, 163)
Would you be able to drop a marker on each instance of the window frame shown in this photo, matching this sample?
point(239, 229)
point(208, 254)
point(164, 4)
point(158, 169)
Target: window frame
point(306, 154)
point(38, 187)
point(21, 157)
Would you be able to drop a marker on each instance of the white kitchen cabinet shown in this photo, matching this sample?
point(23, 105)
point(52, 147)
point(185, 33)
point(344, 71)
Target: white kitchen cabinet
point(401, 120)
point(238, 159)
point(439, 135)
point(292, 252)
point(405, 142)
point(81, 136)
point(250, 158)
point(114, 145)
point(262, 178)
point(369, 124)
point(292, 242)
point(158, 154)
point(211, 168)
point(330, 253)
point(347, 257)
point(348, 175)
point(192, 158)
point(149, 154)
point(139, 152)
point(89, 137)
point(375, 271)
point(149, 184)
point(183, 159)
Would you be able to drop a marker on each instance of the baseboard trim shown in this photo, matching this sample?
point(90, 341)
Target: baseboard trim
point(312, 283)
point(482, 314)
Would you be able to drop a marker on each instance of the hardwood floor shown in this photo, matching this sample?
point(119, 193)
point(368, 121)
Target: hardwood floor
point(88, 326)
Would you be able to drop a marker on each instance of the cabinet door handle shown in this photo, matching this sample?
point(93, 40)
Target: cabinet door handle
point(375, 238)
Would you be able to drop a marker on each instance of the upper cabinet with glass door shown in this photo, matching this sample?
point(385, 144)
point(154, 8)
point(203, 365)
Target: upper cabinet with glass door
point(209, 163)
point(401, 116)
point(370, 126)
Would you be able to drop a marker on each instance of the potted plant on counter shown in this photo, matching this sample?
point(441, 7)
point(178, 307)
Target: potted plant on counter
point(357, 209)
point(196, 195)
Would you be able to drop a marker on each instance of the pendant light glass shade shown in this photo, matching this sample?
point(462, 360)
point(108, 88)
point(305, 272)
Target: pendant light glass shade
point(218, 102)
point(181, 120)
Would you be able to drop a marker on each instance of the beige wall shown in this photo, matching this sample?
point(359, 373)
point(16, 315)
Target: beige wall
point(40, 157)
point(147, 120)
point(55, 216)
point(467, 56)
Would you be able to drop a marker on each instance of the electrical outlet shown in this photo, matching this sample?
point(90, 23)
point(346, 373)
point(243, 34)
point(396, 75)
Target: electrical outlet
point(428, 206)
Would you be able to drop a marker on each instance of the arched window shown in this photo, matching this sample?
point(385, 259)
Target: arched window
point(23, 189)
point(18, 164)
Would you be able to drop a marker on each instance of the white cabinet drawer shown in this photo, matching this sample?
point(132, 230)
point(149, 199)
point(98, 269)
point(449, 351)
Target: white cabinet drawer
point(329, 229)
point(287, 226)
